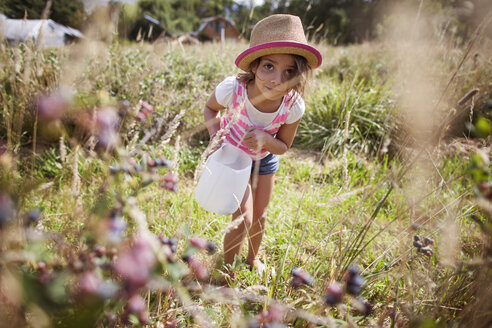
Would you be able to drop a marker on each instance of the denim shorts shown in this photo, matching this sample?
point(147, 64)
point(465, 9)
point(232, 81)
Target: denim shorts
point(268, 165)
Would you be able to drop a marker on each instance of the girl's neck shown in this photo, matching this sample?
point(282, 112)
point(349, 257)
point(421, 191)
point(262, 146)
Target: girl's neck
point(259, 101)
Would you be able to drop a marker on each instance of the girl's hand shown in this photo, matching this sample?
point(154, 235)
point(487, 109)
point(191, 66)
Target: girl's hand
point(255, 139)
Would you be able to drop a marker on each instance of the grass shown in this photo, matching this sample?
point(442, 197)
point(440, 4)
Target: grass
point(339, 202)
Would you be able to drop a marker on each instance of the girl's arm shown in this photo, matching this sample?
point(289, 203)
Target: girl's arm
point(211, 114)
point(257, 139)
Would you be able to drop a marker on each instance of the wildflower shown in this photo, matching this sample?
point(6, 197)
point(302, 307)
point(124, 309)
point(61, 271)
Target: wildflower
point(301, 277)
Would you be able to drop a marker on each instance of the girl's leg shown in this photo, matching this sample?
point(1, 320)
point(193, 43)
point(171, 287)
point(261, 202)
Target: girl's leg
point(261, 198)
point(234, 238)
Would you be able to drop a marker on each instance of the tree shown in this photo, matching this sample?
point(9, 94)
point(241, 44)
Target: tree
point(67, 12)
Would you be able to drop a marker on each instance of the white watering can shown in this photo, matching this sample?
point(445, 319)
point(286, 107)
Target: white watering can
point(224, 180)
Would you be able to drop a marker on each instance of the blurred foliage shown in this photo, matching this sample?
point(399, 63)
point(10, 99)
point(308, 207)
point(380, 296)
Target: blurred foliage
point(332, 21)
point(66, 12)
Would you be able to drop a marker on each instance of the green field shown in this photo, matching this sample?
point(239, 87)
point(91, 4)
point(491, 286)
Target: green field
point(388, 149)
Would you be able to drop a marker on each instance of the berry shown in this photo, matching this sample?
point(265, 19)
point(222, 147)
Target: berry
point(363, 306)
point(169, 182)
point(90, 283)
point(138, 168)
point(426, 250)
point(353, 270)
point(334, 294)
point(51, 107)
point(136, 304)
point(428, 241)
point(100, 251)
point(34, 215)
point(197, 267)
point(274, 314)
point(144, 318)
point(301, 277)
point(202, 244)
point(354, 285)
point(417, 244)
point(164, 162)
point(416, 238)
point(41, 266)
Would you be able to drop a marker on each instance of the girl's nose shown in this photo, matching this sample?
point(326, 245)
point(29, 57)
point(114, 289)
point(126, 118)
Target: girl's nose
point(277, 78)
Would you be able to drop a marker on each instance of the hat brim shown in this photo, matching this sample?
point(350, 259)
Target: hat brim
point(312, 55)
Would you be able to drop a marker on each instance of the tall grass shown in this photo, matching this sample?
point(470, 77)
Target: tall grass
point(321, 219)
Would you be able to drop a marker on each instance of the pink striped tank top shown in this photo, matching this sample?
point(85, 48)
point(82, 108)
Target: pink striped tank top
point(238, 129)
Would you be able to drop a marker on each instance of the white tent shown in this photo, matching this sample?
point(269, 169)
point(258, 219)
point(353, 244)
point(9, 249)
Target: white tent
point(43, 32)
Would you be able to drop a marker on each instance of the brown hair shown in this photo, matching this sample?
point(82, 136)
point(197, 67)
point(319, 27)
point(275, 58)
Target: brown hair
point(303, 70)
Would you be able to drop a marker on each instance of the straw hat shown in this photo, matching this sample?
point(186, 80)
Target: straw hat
point(278, 34)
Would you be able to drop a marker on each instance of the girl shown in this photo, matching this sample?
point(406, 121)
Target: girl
point(267, 98)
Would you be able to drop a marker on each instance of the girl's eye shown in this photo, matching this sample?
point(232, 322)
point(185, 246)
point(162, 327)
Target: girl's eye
point(268, 67)
point(289, 73)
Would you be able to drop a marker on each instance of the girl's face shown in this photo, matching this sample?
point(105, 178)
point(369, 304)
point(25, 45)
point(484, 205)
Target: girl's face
point(273, 75)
